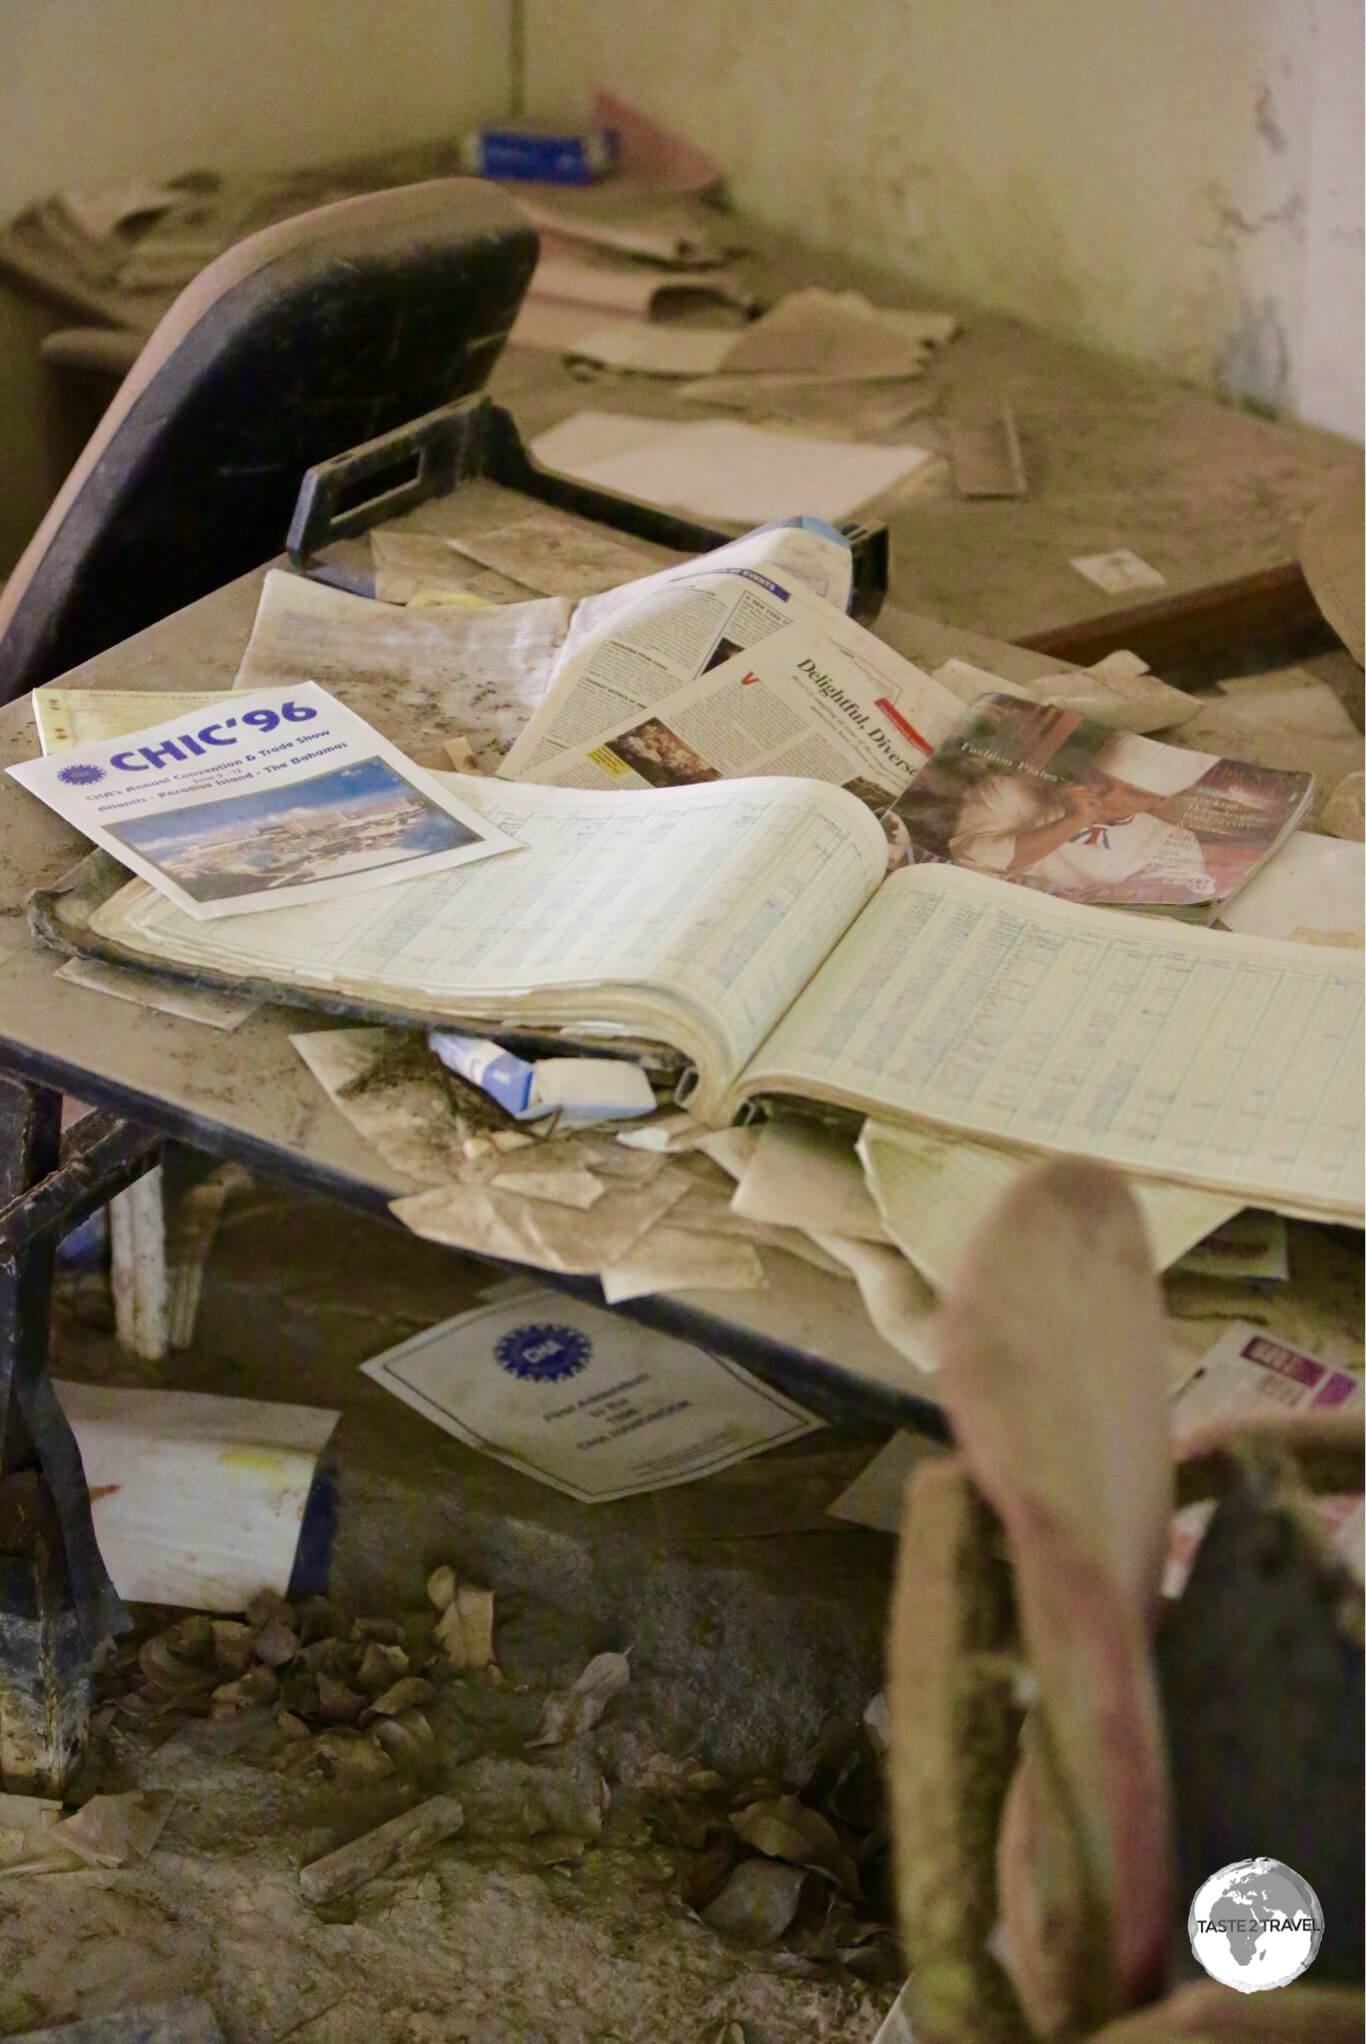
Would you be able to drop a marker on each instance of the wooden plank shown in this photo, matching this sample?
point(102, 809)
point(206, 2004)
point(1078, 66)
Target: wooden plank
point(1218, 623)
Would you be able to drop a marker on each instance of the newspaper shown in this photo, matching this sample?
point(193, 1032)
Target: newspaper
point(790, 688)
point(714, 675)
point(264, 801)
point(1051, 800)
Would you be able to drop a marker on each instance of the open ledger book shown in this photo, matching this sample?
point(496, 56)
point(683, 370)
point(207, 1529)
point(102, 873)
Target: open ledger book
point(750, 926)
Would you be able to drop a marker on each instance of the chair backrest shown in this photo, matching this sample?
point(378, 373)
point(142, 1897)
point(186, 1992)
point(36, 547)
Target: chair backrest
point(298, 343)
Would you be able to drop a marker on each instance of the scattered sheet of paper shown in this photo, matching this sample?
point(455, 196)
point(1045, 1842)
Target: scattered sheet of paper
point(1249, 1374)
point(567, 270)
point(1118, 571)
point(415, 675)
point(1253, 1244)
point(934, 1192)
point(83, 716)
point(557, 555)
point(190, 1004)
point(1314, 887)
point(396, 1094)
point(512, 1229)
point(718, 468)
point(198, 1500)
point(874, 1498)
point(864, 410)
point(838, 335)
point(671, 1259)
point(422, 567)
point(899, 1303)
point(1118, 691)
point(582, 1400)
point(633, 345)
point(800, 1175)
point(230, 811)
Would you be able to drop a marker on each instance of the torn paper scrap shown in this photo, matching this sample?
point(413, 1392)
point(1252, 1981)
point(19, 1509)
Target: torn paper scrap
point(802, 1176)
point(512, 1229)
point(673, 1259)
point(190, 1004)
point(874, 1498)
point(1313, 887)
point(1118, 571)
point(721, 468)
point(1253, 1245)
point(634, 346)
point(900, 1304)
point(1118, 691)
point(398, 1096)
point(597, 282)
point(986, 456)
point(422, 567)
point(410, 673)
point(560, 556)
point(1246, 1375)
point(584, 1400)
point(198, 1500)
point(838, 335)
point(933, 1193)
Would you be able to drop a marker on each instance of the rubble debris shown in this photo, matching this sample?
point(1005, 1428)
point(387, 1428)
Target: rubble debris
point(350, 1759)
point(567, 1715)
point(259, 1685)
point(401, 1842)
point(758, 1901)
point(116, 1831)
point(380, 1666)
point(518, 1799)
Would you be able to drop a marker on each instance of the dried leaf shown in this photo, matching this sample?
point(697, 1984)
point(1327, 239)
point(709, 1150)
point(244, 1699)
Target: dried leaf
point(441, 1586)
point(409, 1740)
point(450, 1635)
point(388, 1631)
point(475, 1607)
point(408, 1694)
point(317, 1620)
point(267, 1605)
point(329, 1656)
point(786, 1829)
point(380, 1665)
point(277, 1644)
point(258, 1685)
point(567, 1715)
point(166, 1667)
point(758, 1902)
point(233, 1645)
point(352, 1760)
point(705, 1875)
point(293, 1727)
point(554, 1848)
point(338, 1703)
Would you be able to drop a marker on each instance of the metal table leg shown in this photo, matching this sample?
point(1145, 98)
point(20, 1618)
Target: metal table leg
point(57, 1604)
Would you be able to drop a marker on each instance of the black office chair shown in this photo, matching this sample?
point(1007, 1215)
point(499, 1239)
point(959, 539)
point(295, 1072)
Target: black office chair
point(300, 342)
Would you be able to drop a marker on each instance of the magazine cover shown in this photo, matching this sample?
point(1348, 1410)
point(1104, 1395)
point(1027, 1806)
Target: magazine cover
point(1053, 801)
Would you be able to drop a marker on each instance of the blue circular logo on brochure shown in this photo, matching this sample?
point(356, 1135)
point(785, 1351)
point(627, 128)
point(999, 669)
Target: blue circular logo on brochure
point(80, 776)
point(543, 1353)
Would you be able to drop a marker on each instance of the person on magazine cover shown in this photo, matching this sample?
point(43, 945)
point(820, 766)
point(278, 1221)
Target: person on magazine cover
point(1091, 836)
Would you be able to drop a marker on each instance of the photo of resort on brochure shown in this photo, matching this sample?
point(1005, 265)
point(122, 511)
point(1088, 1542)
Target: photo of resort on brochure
point(1055, 802)
point(351, 820)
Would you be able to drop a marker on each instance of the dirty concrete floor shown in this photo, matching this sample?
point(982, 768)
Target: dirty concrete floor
point(754, 1627)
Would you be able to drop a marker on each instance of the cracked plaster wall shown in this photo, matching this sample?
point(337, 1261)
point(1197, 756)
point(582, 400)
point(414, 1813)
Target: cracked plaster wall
point(1173, 180)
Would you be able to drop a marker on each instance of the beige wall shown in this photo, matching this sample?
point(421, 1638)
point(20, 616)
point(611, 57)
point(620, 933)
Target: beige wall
point(95, 91)
point(1178, 180)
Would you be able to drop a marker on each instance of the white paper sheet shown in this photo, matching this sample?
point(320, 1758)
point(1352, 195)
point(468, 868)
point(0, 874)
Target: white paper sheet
point(190, 1004)
point(82, 716)
point(557, 555)
point(634, 345)
point(270, 801)
point(721, 468)
point(1118, 571)
point(418, 567)
point(1314, 887)
point(839, 335)
point(934, 1192)
point(874, 1497)
point(802, 1176)
point(584, 1400)
point(198, 1500)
